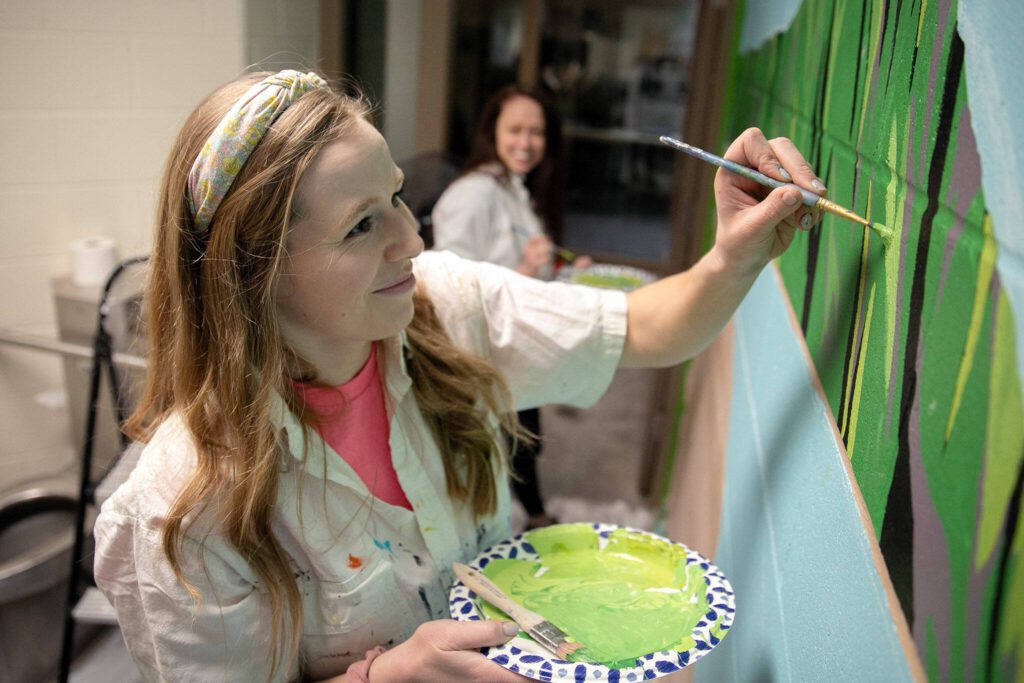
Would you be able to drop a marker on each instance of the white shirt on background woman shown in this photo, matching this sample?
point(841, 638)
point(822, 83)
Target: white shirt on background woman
point(483, 217)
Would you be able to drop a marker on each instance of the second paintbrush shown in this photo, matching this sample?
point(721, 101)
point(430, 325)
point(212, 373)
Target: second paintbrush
point(810, 198)
point(539, 628)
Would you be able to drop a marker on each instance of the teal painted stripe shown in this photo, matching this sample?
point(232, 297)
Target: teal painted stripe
point(810, 603)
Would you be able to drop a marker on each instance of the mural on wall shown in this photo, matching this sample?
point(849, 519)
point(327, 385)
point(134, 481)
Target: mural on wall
point(914, 342)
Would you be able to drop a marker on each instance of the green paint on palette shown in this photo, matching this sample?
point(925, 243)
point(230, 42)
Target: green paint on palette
point(634, 596)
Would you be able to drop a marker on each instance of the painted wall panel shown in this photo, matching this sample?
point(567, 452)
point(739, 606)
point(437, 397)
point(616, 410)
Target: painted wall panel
point(915, 343)
point(811, 604)
point(994, 68)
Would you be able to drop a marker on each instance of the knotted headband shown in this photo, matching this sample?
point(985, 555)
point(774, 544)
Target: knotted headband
point(236, 136)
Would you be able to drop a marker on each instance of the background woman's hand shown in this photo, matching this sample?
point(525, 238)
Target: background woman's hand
point(582, 262)
point(445, 651)
point(754, 224)
point(537, 253)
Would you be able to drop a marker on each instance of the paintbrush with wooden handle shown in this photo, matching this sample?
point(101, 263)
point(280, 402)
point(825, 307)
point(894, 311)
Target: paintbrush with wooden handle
point(538, 628)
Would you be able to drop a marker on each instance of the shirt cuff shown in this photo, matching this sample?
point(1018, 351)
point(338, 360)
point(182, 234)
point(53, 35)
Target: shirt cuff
point(611, 343)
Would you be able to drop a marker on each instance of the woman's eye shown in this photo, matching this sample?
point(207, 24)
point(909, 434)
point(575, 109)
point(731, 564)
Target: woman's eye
point(362, 227)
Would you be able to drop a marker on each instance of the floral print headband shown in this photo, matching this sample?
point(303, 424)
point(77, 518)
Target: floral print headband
point(236, 136)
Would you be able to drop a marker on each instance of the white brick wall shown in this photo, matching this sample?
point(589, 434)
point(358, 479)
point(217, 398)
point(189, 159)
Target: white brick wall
point(93, 92)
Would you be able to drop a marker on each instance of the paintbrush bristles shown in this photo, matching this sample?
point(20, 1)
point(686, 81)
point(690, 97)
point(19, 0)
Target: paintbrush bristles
point(566, 649)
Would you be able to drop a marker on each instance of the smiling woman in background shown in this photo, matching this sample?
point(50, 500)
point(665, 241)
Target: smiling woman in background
point(502, 210)
point(325, 404)
point(512, 195)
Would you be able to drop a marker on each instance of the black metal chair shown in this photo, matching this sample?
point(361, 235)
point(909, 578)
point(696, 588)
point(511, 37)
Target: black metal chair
point(85, 603)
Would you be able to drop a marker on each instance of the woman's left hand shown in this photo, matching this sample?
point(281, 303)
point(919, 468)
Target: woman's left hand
point(582, 262)
point(754, 224)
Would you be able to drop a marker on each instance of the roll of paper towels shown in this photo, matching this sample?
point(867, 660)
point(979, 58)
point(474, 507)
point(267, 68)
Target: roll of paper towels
point(93, 259)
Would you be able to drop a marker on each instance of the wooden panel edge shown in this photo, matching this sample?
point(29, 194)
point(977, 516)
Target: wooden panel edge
point(899, 618)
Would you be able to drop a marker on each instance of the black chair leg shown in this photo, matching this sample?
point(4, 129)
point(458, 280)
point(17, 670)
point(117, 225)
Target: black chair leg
point(101, 352)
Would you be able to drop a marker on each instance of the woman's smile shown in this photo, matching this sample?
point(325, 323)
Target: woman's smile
point(406, 284)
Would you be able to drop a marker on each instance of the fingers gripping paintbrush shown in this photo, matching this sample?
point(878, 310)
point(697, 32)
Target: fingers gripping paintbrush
point(539, 628)
point(809, 198)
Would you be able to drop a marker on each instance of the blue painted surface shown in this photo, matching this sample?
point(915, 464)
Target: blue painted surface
point(994, 62)
point(810, 605)
point(762, 20)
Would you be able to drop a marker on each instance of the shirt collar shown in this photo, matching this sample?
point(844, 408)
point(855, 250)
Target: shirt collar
point(397, 384)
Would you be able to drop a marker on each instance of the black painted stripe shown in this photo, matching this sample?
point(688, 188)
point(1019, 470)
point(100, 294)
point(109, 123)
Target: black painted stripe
point(814, 237)
point(895, 34)
point(897, 540)
point(1009, 536)
point(852, 352)
point(864, 12)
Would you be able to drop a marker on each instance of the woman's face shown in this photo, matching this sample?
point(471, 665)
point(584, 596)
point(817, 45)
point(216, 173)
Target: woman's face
point(346, 279)
point(519, 134)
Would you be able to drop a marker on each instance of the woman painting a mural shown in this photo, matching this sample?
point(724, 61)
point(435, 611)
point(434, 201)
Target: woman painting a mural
point(325, 404)
point(502, 210)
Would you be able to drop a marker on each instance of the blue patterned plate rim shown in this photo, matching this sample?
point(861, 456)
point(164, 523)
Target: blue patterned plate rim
point(530, 660)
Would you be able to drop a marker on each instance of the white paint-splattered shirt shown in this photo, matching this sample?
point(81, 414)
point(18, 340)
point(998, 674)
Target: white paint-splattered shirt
point(369, 572)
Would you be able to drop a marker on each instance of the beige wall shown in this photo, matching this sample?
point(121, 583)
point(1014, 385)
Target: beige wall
point(92, 95)
point(282, 34)
point(416, 76)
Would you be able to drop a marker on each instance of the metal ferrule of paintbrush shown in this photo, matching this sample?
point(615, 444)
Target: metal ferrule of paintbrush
point(556, 640)
point(538, 628)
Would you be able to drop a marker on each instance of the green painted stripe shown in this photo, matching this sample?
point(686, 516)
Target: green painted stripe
point(861, 362)
point(1004, 446)
point(986, 267)
point(876, 37)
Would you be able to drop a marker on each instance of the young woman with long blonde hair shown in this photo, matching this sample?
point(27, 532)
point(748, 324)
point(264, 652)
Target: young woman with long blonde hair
point(325, 406)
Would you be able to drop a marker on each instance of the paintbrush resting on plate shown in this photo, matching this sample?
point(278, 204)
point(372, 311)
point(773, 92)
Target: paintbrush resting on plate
point(538, 628)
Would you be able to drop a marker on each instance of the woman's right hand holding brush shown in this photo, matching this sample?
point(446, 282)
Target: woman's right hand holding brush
point(677, 317)
point(756, 224)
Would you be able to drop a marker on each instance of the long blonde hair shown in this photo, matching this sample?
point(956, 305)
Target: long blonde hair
point(217, 357)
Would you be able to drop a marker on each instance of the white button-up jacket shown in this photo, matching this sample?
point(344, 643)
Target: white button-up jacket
point(369, 572)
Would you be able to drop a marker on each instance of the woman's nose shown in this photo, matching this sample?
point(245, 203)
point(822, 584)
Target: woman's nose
point(406, 241)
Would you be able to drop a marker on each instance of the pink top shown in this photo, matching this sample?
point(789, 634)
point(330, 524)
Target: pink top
point(354, 422)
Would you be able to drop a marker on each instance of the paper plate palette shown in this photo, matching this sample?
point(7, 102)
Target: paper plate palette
point(607, 276)
point(642, 605)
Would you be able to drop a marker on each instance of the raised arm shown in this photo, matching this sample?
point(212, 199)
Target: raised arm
point(677, 317)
